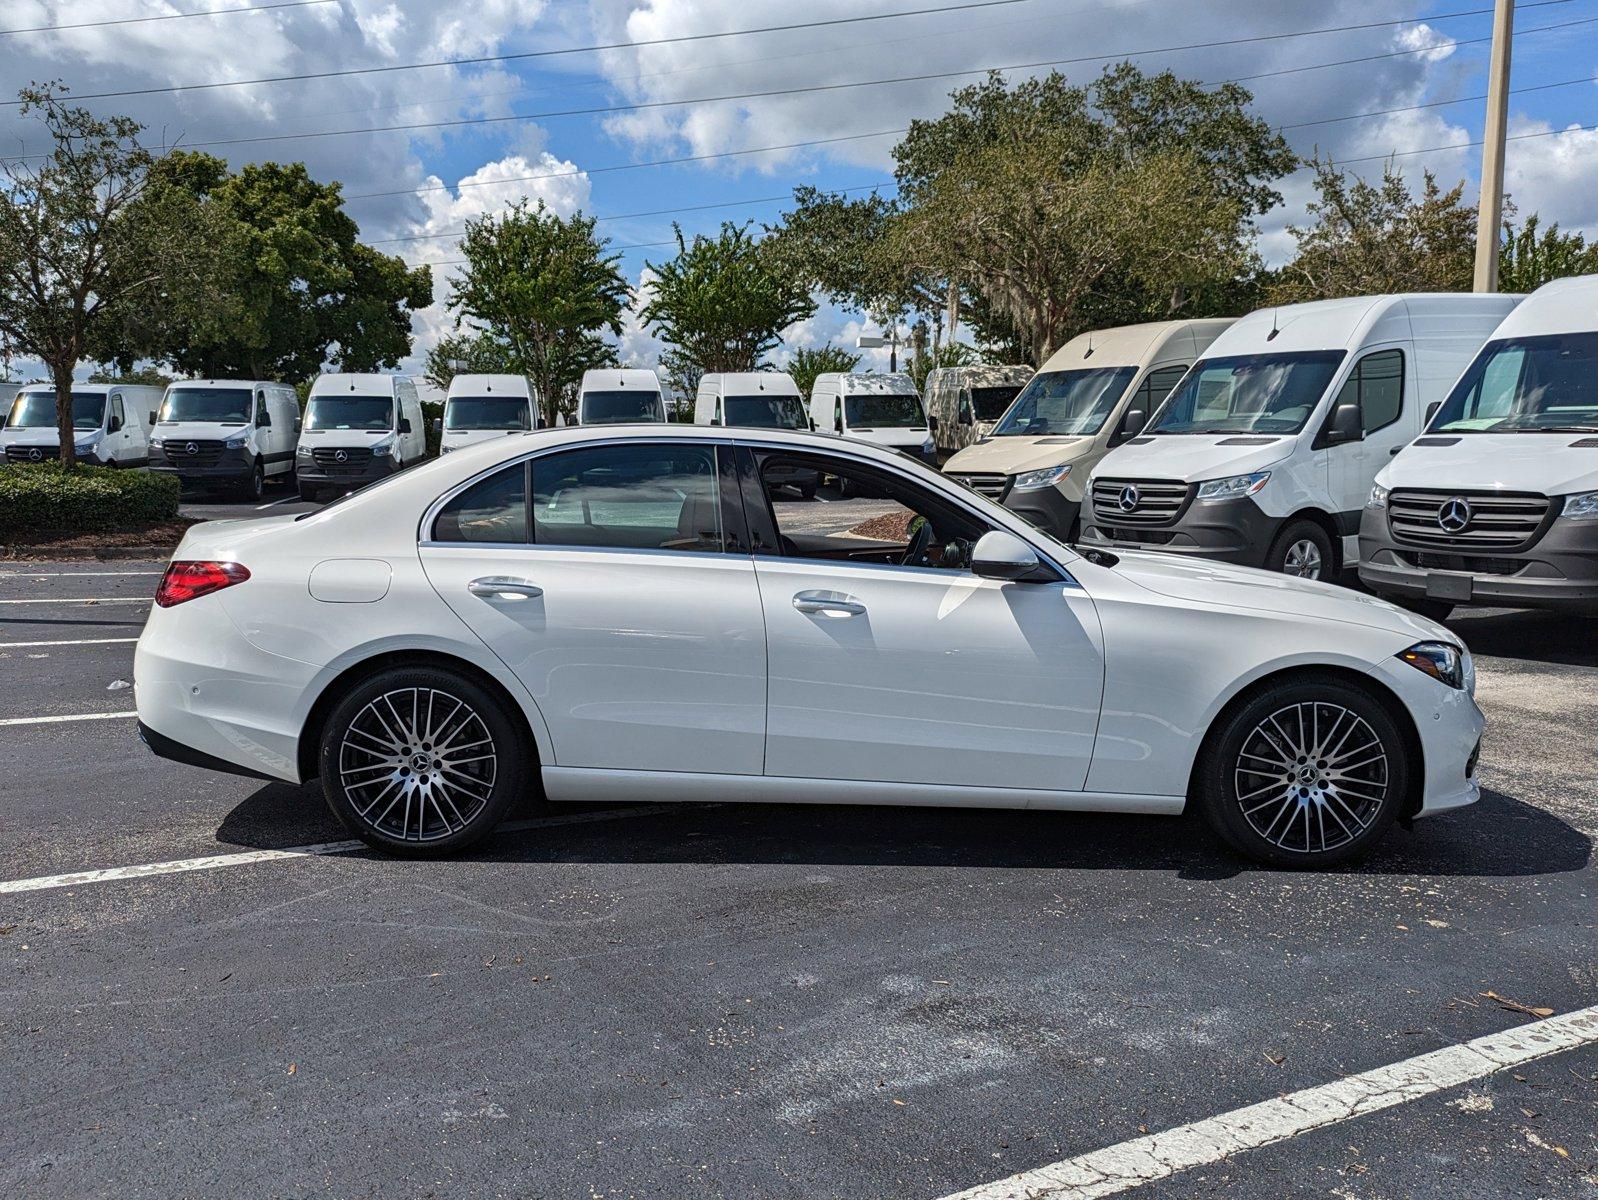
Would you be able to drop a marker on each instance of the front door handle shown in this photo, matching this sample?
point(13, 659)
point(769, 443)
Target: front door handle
point(827, 604)
point(501, 587)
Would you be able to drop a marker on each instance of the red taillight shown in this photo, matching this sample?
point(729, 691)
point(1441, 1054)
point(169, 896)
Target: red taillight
point(186, 580)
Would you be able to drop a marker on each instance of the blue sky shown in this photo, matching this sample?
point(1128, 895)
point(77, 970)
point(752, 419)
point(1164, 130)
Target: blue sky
point(421, 171)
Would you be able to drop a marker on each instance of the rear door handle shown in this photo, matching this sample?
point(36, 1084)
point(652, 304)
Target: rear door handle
point(828, 604)
point(502, 587)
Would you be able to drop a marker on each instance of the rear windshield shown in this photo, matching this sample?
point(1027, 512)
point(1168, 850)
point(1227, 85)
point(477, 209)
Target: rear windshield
point(36, 410)
point(1065, 402)
point(765, 412)
point(350, 412)
point(222, 406)
point(486, 412)
point(1527, 385)
point(883, 411)
point(1248, 393)
point(621, 407)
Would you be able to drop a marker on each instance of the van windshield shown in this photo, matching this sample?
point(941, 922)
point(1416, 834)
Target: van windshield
point(765, 412)
point(1070, 402)
point(621, 407)
point(375, 413)
point(1527, 385)
point(487, 412)
point(36, 410)
point(1248, 393)
point(222, 406)
point(884, 410)
point(989, 403)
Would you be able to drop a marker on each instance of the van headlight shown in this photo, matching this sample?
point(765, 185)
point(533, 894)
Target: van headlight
point(1233, 487)
point(1581, 507)
point(302, 451)
point(237, 440)
point(1378, 496)
point(1444, 662)
point(1032, 481)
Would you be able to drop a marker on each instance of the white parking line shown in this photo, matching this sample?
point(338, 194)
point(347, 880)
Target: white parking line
point(211, 862)
point(116, 716)
point(1128, 1165)
point(69, 642)
point(275, 503)
point(82, 600)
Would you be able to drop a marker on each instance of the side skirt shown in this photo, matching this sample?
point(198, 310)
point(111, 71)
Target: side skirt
point(599, 785)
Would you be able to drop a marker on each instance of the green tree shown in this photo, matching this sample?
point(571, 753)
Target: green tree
point(807, 362)
point(1367, 238)
point(545, 287)
point(950, 354)
point(144, 376)
point(1530, 256)
point(467, 354)
point(722, 302)
point(80, 241)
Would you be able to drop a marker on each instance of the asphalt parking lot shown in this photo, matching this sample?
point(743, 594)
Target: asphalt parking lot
point(750, 1000)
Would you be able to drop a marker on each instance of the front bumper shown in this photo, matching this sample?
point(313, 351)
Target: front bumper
point(231, 465)
point(1235, 531)
point(1558, 571)
point(1449, 726)
point(314, 472)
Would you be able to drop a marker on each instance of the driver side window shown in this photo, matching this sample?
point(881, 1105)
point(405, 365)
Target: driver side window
point(840, 511)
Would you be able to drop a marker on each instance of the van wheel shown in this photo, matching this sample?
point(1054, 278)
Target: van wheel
point(1305, 774)
point(307, 492)
point(421, 761)
point(1302, 550)
point(255, 486)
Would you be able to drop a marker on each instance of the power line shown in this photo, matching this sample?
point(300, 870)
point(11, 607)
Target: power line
point(1382, 112)
point(565, 50)
point(210, 12)
point(1519, 137)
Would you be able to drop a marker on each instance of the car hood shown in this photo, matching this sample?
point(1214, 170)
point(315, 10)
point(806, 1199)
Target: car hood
point(196, 431)
point(1193, 457)
point(1553, 464)
point(1012, 455)
point(1209, 582)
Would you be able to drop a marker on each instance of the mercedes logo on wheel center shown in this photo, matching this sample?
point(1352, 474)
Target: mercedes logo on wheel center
point(1454, 515)
point(1129, 498)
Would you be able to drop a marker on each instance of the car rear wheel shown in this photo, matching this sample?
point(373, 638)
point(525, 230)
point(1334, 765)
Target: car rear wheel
point(421, 761)
point(1302, 550)
point(1304, 774)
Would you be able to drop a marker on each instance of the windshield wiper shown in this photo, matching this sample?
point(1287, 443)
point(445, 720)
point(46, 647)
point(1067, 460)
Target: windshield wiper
point(1547, 429)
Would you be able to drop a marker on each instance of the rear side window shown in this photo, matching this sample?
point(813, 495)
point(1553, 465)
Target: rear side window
point(631, 496)
point(1156, 386)
point(491, 510)
point(1377, 384)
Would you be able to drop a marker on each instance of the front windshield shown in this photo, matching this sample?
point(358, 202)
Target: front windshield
point(375, 413)
point(623, 407)
point(1248, 393)
point(221, 406)
point(1066, 402)
point(989, 403)
point(1527, 385)
point(765, 412)
point(36, 410)
point(487, 412)
point(883, 410)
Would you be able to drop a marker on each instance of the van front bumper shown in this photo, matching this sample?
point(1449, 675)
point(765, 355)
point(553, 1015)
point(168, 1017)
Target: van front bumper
point(313, 473)
point(1557, 571)
point(1235, 531)
point(231, 465)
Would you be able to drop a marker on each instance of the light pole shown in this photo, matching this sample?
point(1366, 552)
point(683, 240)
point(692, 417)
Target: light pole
point(1490, 210)
point(869, 342)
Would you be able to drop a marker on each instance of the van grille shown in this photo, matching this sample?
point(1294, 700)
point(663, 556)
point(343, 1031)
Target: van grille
point(989, 485)
point(345, 460)
point(1474, 521)
point(192, 453)
point(1139, 501)
point(26, 453)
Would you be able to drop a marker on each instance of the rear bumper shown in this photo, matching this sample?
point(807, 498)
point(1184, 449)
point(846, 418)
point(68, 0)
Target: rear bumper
point(1235, 531)
point(1559, 571)
point(168, 748)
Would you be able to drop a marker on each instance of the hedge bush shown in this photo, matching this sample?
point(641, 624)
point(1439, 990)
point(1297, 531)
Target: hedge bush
point(45, 498)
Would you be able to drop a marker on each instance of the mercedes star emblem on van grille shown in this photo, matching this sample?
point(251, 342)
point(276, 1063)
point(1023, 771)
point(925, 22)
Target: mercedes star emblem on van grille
point(340, 456)
point(1129, 498)
point(191, 448)
point(1454, 515)
point(35, 455)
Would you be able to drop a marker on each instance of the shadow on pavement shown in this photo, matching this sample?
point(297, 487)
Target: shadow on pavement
point(1499, 837)
point(1561, 639)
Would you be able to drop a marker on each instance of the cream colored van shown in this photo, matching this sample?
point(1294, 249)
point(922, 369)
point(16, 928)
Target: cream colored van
point(1094, 393)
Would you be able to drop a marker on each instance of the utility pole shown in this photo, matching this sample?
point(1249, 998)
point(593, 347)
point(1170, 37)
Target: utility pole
point(1490, 210)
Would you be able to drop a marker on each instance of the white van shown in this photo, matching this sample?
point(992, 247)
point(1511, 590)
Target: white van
point(880, 408)
point(480, 407)
point(757, 400)
point(228, 433)
point(965, 403)
point(358, 429)
point(1094, 393)
point(617, 396)
point(110, 424)
point(1265, 452)
point(1498, 503)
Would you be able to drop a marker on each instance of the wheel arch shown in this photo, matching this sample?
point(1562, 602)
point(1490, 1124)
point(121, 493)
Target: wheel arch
point(1320, 517)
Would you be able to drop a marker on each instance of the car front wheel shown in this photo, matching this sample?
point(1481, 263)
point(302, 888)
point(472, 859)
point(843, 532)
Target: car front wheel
point(1304, 774)
point(421, 761)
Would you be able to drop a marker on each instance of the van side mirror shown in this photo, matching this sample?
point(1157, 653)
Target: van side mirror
point(405, 425)
point(264, 421)
point(812, 424)
point(1132, 422)
point(1001, 555)
point(152, 418)
point(932, 423)
point(114, 424)
point(438, 425)
point(1346, 426)
point(967, 417)
point(1431, 411)
point(298, 422)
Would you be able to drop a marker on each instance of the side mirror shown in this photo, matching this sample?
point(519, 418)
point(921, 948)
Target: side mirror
point(1431, 411)
point(266, 420)
point(1132, 422)
point(812, 424)
point(405, 425)
point(438, 425)
point(152, 418)
point(113, 425)
point(298, 422)
point(932, 423)
point(1001, 555)
point(1346, 426)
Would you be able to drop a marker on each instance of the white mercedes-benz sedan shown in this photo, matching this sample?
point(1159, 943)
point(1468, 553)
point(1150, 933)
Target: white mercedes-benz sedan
point(646, 613)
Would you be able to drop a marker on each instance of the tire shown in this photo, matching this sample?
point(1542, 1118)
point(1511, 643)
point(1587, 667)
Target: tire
point(372, 757)
point(254, 487)
point(1347, 797)
point(1302, 550)
point(307, 492)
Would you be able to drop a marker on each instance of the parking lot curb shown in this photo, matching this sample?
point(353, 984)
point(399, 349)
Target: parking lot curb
point(82, 554)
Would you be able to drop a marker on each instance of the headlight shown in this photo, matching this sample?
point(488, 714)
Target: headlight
point(156, 443)
point(1378, 497)
point(1581, 507)
point(1031, 481)
point(1443, 662)
point(237, 440)
point(302, 451)
point(1233, 487)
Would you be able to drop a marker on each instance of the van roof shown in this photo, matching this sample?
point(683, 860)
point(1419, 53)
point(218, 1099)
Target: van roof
point(619, 377)
point(505, 385)
point(356, 383)
point(205, 383)
point(779, 383)
point(1567, 305)
point(1129, 345)
point(894, 383)
point(1345, 323)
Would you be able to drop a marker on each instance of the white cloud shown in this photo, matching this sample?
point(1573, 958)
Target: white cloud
point(1554, 175)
